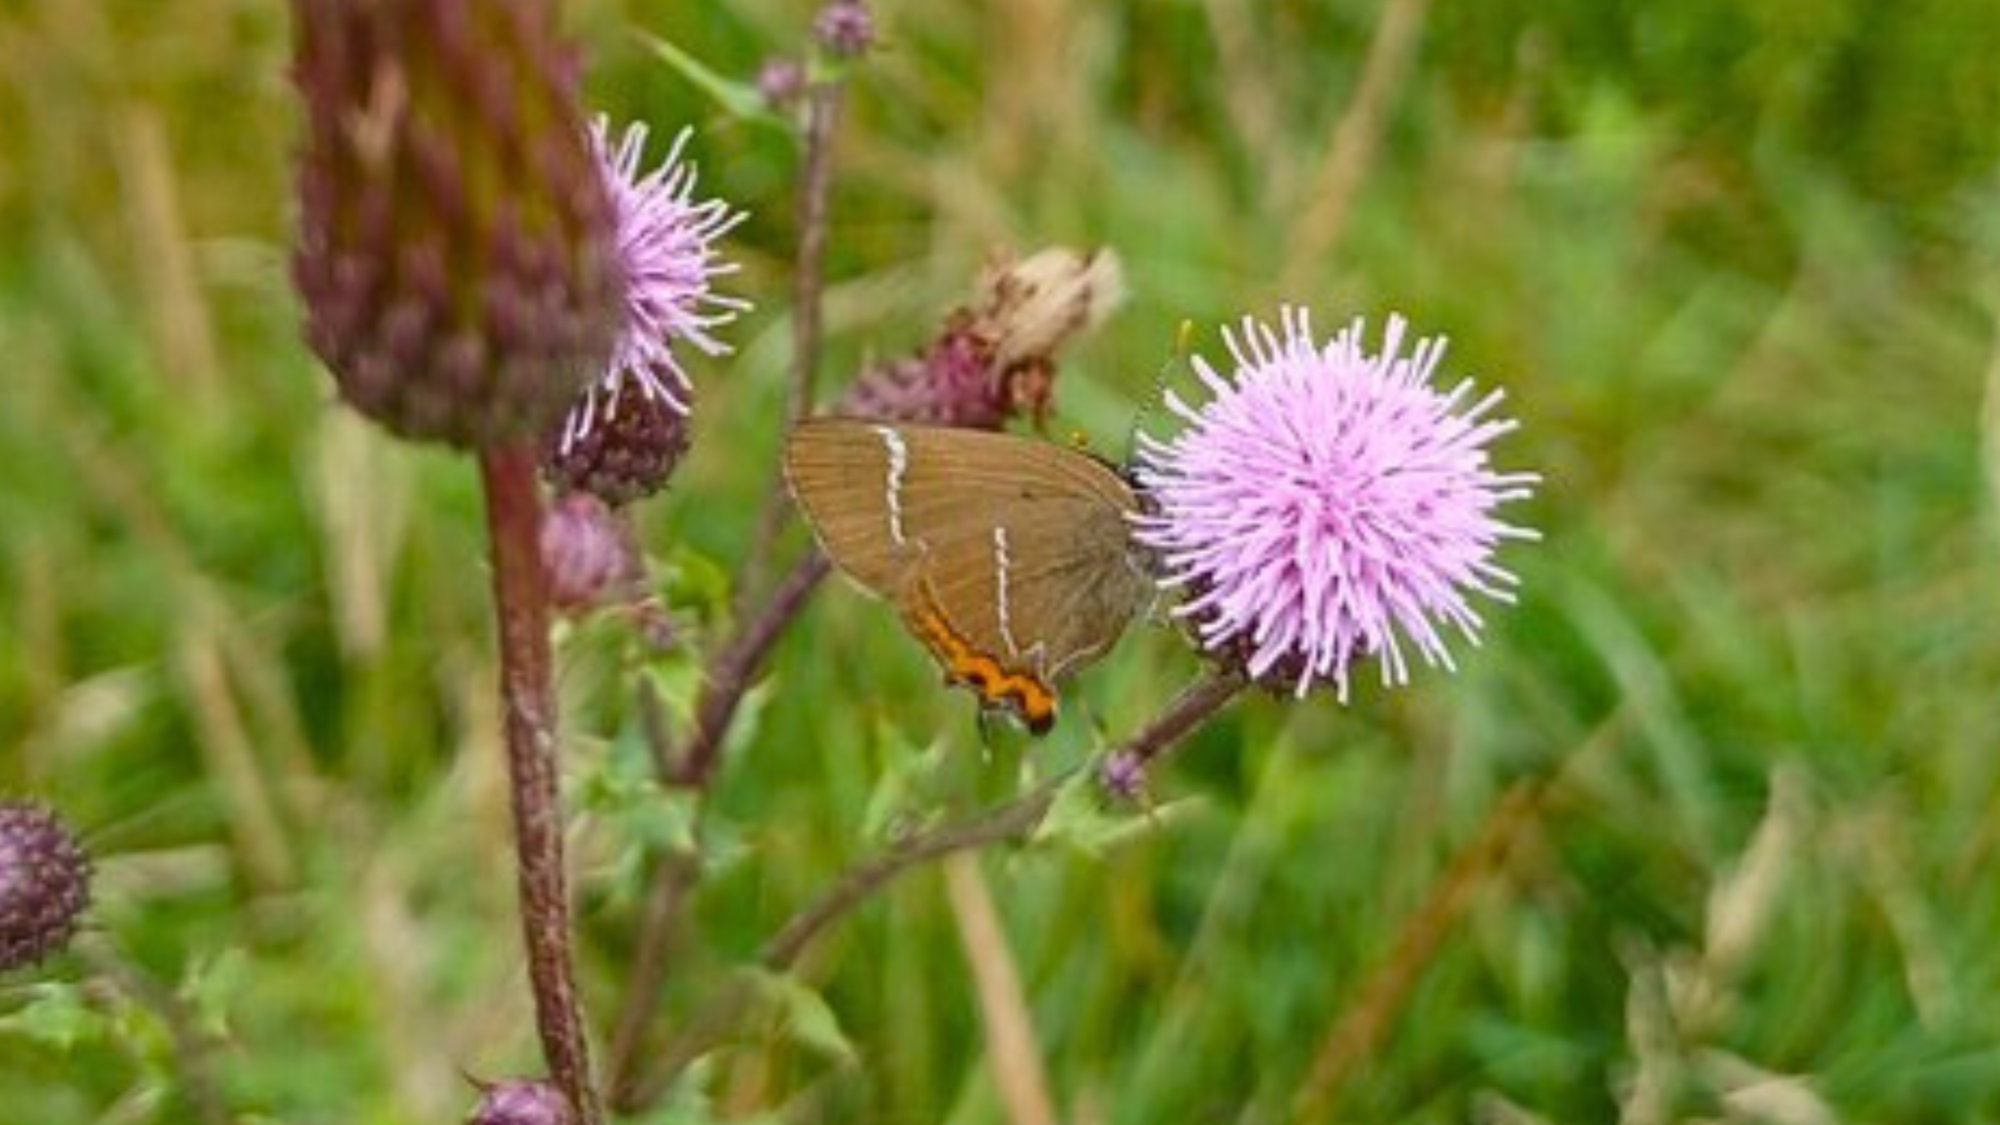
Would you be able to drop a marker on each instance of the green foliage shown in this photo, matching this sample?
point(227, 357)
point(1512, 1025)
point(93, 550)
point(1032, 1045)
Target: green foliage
point(1730, 262)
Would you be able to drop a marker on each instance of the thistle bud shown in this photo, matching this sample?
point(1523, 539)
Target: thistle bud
point(518, 1102)
point(845, 28)
point(44, 884)
point(455, 252)
point(588, 554)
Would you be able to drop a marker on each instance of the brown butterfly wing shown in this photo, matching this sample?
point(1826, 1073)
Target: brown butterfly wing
point(843, 473)
point(1046, 587)
point(1008, 557)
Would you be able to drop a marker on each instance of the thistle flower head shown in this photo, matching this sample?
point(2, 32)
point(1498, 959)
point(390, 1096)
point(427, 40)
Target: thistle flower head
point(666, 240)
point(44, 884)
point(1327, 504)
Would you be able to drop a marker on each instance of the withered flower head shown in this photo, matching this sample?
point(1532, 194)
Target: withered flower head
point(455, 251)
point(995, 357)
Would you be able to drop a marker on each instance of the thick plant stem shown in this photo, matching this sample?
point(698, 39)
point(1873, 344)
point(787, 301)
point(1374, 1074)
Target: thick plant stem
point(520, 596)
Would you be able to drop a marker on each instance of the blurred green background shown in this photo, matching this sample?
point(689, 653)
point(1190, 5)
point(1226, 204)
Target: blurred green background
point(1732, 262)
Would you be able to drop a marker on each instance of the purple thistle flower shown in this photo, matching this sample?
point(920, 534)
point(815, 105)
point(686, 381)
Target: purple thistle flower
point(666, 241)
point(1327, 504)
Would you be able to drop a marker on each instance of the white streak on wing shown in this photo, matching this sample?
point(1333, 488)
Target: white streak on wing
point(1001, 564)
point(899, 464)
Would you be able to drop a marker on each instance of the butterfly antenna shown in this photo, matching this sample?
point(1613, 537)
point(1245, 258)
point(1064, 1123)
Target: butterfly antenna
point(1176, 360)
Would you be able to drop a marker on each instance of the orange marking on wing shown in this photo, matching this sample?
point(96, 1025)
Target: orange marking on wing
point(1020, 692)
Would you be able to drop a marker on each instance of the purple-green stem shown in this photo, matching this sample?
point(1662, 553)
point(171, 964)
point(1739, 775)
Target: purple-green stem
point(810, 211)
point(520, 598)
point(728, 675)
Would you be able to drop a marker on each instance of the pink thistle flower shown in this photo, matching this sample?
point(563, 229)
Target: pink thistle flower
point(1327, 504)
point(666, 241)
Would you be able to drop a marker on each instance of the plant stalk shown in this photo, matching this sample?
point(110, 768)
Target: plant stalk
point(520, 596)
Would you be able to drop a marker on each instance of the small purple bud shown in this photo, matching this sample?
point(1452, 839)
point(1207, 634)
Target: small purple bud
point(781, 80)
point(588, 554)
point(44, 884)
point(1123, 775)
point(845, 28)
point(517, 1102)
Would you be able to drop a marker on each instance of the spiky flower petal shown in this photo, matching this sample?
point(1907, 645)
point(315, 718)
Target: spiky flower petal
point(454, 253)
point(44, 884)
point(666, 241)
point(1328, 504)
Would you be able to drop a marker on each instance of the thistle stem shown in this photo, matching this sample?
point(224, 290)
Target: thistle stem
point(1125, 768)
point(520, 596)
point(730, 673)
point(810, 211)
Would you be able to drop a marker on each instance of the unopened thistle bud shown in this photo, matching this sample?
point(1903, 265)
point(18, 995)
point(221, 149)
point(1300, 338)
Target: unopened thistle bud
point(44, 884)
point(517, 1102)
point(455, 251)
point(588, 554)
point(845, 28)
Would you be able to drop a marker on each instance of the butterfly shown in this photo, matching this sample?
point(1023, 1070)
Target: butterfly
point(1010, 559)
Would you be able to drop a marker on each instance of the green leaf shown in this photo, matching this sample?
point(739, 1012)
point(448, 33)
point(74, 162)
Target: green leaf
point(739, 99)
point(214, 987)
point(1083, 817)
point(807, 1018)
point(898, 796)
point(60, 1017)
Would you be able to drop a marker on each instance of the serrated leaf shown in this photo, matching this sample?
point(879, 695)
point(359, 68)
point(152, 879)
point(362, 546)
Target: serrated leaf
point(60, 1017)
point(691, 578)
point(892, 801)
point(806, 1014)
point(1083, 817)
point(739, 99)
point(687, 1102)
point(213, 987)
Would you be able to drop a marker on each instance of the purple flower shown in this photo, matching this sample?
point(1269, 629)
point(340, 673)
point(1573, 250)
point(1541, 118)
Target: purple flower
point(1328, 504)
point(666, 241)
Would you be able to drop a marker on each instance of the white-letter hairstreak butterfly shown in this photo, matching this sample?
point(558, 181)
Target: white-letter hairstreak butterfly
point(1011, 559)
